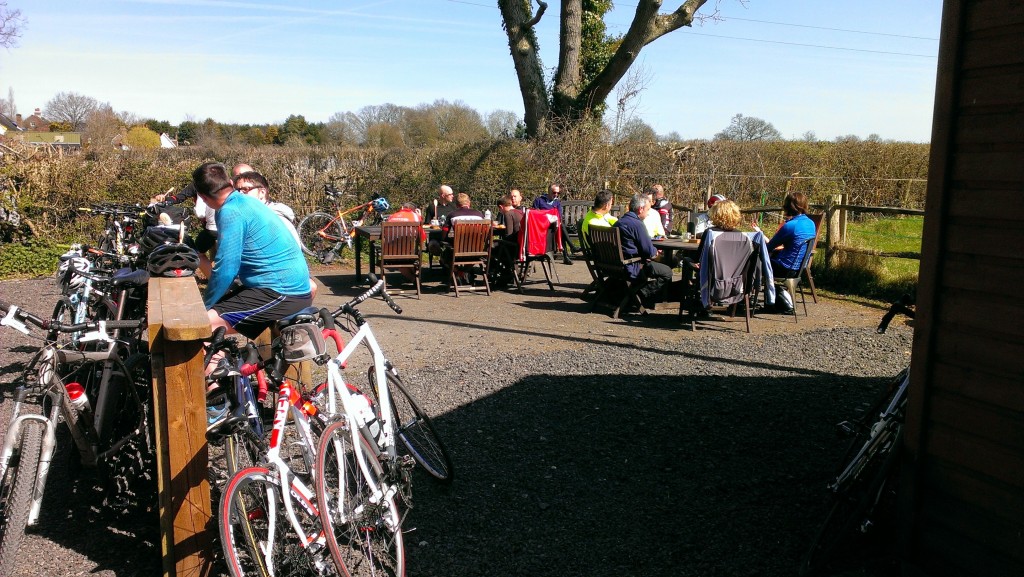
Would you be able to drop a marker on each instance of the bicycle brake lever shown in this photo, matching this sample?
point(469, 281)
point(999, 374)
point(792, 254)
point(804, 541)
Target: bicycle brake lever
point(11, 321)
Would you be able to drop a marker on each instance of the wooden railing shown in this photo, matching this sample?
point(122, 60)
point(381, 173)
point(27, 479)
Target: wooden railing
point(177, 327)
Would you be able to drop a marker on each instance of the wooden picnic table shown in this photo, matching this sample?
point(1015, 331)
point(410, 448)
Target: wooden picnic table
point(668, 246)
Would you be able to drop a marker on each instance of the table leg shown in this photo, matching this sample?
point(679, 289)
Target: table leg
point(359, 260)
point(373, 256)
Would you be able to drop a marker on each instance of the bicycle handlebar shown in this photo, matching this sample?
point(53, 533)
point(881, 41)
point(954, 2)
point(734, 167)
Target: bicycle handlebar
point(16, 318)
point(902, 306)
point(350, 309)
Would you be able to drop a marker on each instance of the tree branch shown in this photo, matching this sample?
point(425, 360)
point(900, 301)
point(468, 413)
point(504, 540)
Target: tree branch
point(540, 12)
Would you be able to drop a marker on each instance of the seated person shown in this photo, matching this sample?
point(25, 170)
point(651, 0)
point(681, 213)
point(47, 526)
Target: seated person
point(599, 215)
point(652, 221)
point(409, 213)
point(254, 184)
point(506, 244)
point(551, 200)
point(636, 243)
point(255, 247)
point(725, 217)
point(788, 245)
point(703, 220)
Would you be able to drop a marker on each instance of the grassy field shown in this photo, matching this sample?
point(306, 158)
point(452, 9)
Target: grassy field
point(875, 277)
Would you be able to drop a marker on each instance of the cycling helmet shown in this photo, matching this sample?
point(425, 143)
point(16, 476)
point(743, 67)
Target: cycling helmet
point(79, 264)
point(173, 260)
point(381, 204)
point(156, 236)
point(715, 198)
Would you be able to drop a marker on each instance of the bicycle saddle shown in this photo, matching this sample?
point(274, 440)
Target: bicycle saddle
point(306, 315)
point(130, 278)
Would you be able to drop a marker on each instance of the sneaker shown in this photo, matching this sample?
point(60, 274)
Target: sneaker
point(216, 415)
point(566, 259)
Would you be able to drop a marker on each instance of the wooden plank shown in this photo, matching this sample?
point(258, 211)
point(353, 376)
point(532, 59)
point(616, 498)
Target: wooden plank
point(991, 316)
point(994, 424)
point(964, 203)
point(1000, 165)
point(999, 240)
point(994, 14)
point(989, 385)
point(1004, 47)
point(979, 350)
point(994, 90)
point(1002, 501)
point(943, 551)
point(974, 454)
point(180, 413)
point(973, 525)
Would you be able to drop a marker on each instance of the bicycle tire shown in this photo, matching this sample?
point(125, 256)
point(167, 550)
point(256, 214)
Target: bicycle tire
point(252, 504)
point(16, 492)
point(851, 507)
point(365, 539)
point(64, 313)
point(415, 430)
point(313, 243)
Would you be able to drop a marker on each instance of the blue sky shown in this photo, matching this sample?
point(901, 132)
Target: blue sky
point(834, 67)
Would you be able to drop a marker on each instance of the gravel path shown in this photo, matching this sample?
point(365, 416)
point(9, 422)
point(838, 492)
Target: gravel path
point(583, 445)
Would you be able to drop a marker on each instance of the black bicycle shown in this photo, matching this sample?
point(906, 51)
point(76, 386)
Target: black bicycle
point(864, 487)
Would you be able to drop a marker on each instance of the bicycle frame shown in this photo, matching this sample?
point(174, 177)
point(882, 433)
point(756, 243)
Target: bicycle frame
point(340, 217)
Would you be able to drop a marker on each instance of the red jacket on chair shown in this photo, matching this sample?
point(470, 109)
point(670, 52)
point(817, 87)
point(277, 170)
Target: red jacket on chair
point(533, 236)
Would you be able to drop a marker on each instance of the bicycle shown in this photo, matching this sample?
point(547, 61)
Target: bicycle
point(102, 395)
point(323, 235)
point(865, 482)
point(269, 520)
point(359, 472)
point(124, 222)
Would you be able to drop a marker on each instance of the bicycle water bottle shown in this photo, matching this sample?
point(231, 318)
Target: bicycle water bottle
point(79, 400)
point(367, 414)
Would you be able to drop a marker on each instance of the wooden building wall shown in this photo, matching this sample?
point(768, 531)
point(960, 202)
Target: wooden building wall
point(962, 511)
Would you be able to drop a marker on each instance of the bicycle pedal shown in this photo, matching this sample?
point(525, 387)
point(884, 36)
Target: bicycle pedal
point(407, 462)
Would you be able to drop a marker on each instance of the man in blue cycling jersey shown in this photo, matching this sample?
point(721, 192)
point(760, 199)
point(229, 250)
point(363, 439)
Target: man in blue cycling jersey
point(255, 247)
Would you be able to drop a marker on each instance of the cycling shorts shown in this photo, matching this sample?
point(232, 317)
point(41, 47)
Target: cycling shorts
point(250, 311)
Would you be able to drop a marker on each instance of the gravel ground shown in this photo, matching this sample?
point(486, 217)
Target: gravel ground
point(583, 445)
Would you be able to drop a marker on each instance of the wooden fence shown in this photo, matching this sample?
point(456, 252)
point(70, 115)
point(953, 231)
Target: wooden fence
point(836, 217)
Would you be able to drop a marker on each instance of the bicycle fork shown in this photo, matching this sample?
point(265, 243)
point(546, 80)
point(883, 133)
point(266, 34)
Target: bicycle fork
point(13, 439)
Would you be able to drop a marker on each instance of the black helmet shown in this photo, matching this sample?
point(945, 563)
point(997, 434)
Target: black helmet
point(173, 260)
point(156, 236)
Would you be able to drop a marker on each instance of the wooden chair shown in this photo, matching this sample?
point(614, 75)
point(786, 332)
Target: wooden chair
point(573, 212)
point(732, 261)
point(400, 248)
point(539, 238)
point(471, 247)
point(611, 265)
point(816, 219)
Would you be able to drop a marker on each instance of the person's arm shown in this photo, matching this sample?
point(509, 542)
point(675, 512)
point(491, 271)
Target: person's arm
point(229, 258)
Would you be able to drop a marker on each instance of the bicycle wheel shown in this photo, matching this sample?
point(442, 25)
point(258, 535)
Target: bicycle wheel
point(254, 530)
point(64, 313)
point(320, 234)
point(851, 509)
point(364, 533)
point(414, 429)
point(16, 490)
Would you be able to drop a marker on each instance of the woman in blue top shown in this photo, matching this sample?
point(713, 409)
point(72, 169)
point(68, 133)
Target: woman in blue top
point(789, 244)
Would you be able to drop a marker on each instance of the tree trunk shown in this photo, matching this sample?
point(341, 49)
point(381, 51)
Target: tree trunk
point(522, 42)
point(568, 77)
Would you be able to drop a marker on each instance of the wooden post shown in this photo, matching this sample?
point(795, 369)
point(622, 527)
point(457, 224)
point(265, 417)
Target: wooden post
point(300, 372)
point(832, 228)
point(843, 198)
point(177, 326)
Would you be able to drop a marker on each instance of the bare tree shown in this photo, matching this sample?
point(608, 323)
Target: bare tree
point(70, 107)
point(501, 123)
point(7, 105)
point(11, 24)
point(748, 128)
point(627, 100)
point(572, 96)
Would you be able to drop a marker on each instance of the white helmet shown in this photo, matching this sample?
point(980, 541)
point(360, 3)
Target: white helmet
point(78, 264)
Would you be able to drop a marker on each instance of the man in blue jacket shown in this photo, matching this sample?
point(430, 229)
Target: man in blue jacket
point(255, 247)
point(549, 201)
point(636, 242)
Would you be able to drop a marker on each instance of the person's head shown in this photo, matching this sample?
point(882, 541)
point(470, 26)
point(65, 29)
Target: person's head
point(554, 190)
point(410, 207)
point(794, 204)
point(656, 191)
point(725, 214)
point(639, 204)
point(603, 201)
point(516, 196)
point(462, 200)
point(253, 184)
point(212, 183)
point(445, 193)
point(241, 168)
point(715, 198)
point(505, 204)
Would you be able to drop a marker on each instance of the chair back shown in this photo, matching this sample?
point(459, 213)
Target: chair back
point(535, 235)
point(399, 241)
point(472, 241)
point(732, 261)
point(606, 250)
